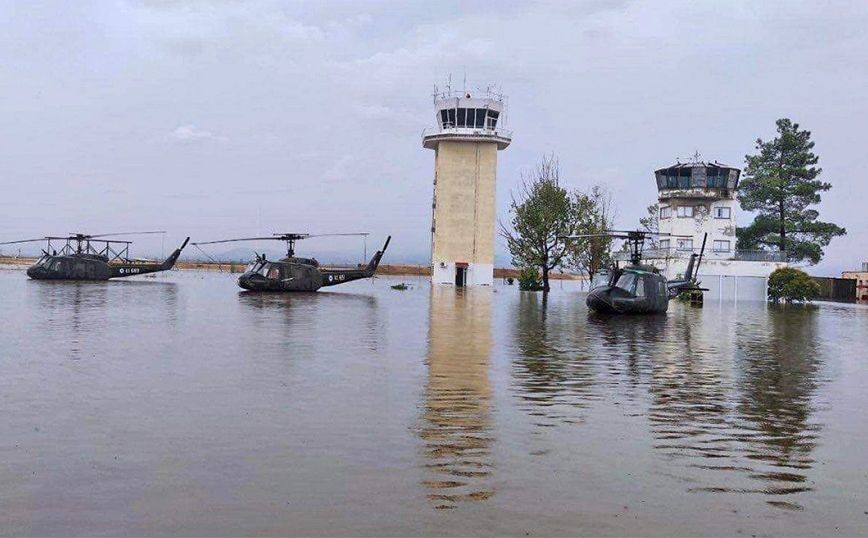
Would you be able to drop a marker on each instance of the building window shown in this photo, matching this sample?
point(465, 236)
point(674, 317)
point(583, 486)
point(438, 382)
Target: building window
point(685, 211)
point(664, 244)
point(665, 212)
point(721, 246)
point(480, 118)
point(722, 212)
point(684, 244)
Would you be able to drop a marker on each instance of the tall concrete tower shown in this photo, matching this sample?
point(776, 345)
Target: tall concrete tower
point(466, 140)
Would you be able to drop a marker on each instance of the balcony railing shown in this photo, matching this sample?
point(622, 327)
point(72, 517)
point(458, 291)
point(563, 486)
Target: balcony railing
point(471, 131)
point(739, 255)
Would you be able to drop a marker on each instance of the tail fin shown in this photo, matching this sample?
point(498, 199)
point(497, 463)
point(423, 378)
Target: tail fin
point(375, 260)
point(170, 261)
point(688, 274)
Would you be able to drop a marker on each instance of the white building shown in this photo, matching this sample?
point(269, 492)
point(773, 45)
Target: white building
point(468, 135)
point(698, 198)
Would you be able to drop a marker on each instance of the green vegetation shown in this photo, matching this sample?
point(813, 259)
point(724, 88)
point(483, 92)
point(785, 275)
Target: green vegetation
point(781, 185)
point(540, 218)
point(592, 214)
point(545, 212)
point(528, 279)
point(791, 285)
point(401, 287)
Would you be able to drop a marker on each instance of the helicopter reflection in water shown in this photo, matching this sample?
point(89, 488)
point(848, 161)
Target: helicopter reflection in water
point(457, 426)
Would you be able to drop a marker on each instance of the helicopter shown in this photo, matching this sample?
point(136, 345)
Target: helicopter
point(638, 288)
point(293, 273)
point(92, 257)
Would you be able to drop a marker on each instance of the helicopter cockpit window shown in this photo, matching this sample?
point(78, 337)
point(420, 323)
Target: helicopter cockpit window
point(263, 269)
point(627, 282)
point(640, 287)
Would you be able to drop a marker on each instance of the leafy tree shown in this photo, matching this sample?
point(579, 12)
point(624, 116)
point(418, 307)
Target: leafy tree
point(780, 184)
point(651, 224)
point(593, 213)
point(541, 215)
point(790, 285)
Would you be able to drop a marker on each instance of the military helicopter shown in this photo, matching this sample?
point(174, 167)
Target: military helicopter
point(298, 274)
point(91, 257)
point(638, 288)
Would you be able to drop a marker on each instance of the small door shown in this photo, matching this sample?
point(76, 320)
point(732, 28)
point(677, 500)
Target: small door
point(460, 276)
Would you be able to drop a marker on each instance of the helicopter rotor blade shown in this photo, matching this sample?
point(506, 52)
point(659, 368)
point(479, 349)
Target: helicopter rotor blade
point(24, 241)
point(340, 234)
point(122, 233)
point(239, 239)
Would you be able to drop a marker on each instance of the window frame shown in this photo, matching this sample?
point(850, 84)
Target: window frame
point(684, 244)
point(720, 208)
point(665, 212)
point(716, 242)
point(683, 209)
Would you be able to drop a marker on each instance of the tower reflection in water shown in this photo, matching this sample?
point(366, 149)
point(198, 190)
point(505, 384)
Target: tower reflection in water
point(456, 424)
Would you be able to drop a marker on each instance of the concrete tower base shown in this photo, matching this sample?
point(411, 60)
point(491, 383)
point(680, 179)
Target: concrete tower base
point(475, 274)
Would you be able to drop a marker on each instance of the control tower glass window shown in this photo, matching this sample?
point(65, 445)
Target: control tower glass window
point(491, 122)
point(684, 178)
point(462, 117)
point(480, 118)
point(716, 177)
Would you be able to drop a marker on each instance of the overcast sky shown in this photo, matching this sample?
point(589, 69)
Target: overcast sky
point(225, 118)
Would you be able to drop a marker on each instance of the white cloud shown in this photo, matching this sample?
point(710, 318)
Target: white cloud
point(191, 133)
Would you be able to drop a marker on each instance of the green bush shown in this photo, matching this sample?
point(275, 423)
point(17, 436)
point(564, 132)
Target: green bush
point(792, 286)
point(528, 279)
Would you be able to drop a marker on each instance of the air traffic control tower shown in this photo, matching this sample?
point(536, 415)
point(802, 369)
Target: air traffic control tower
point(465, 141)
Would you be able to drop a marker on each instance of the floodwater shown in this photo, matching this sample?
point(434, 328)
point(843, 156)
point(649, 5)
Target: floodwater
point(177, 405)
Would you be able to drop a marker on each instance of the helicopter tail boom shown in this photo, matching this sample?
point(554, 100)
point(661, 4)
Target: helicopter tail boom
point(132, 269)
point(339, 276)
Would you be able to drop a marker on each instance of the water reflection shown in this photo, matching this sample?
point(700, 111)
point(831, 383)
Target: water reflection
point(554, 370)
point(76, 310)
point(779, 377)
point(296, 323)
point(457, 427)
point(727, 391)
point(738, 406)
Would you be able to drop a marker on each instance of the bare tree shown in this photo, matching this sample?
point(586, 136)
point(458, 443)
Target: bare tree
point(541, 215)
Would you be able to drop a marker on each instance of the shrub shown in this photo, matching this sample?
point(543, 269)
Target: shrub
point(528, 279)
point(792, 285)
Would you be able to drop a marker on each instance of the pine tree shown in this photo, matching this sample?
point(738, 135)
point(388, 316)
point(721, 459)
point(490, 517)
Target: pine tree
point(781, 184)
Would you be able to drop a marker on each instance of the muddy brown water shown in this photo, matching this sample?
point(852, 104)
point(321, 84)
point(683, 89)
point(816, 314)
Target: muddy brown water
point(177, 405)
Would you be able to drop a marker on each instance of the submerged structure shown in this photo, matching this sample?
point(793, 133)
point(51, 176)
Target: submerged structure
point(697, 198)
point(468, 134)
